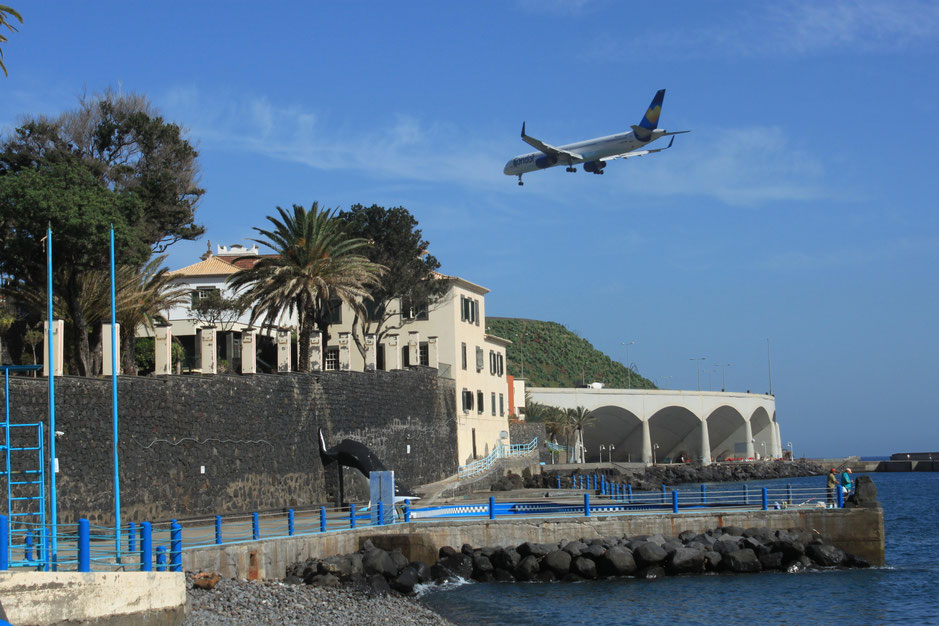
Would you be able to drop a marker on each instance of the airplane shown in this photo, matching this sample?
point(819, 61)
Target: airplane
point(594, 153)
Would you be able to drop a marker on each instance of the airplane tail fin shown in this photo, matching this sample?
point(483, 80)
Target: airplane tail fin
point(650, 120)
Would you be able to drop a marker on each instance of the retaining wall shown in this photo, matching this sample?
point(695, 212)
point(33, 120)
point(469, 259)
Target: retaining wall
point(191, 446)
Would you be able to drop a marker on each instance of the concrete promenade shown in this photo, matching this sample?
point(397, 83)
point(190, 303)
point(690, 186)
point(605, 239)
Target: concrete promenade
point(858, 531)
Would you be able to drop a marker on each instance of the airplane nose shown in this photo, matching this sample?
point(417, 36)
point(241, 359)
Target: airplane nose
point(507, 168)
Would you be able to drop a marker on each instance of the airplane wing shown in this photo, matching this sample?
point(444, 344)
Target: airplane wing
point(628, 155)
point(549, 150)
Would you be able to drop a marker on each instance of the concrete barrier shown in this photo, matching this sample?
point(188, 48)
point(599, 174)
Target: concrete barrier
point(118, 598)
point(858, 531)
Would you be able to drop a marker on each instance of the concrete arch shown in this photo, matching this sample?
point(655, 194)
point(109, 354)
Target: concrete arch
point(676, 429)
point(616, 426)
point(764, 433)
point(729, 434)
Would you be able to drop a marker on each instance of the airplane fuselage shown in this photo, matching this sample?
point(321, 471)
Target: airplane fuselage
point(590, 150)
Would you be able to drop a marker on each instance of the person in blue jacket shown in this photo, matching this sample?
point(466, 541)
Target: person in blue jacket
point(846, 484)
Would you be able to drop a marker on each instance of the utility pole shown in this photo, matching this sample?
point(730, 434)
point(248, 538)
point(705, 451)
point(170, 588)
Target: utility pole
point(698, 360)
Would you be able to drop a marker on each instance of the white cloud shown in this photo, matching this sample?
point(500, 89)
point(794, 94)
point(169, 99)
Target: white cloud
point(740, 166)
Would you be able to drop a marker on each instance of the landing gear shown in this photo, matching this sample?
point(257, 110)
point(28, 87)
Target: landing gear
point(520, 183)
point(571, 169)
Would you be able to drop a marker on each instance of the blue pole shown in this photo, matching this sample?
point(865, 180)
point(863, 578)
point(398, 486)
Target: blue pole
point(218, 529)
point(161, 558)
point(840, 496)
point(290, 528)
point(704, 494)
point(407, 510)
point(559, 481)
point(84, 546)
point(146, 547)
point(4, 543)
point(351, 516)
point(52, 458)
point(131, 537)
point(381, 513)
point(255, 527)
point(664, 493)
point(117, 483)
point(587, 505)
point(492, 507)
point(28, 552)
point(322, 519)
point(674, 501)
point(176, 547)
point(765, 499)
point(629, 491)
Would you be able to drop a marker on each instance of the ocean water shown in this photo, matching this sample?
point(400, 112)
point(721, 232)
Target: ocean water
point(906, 591)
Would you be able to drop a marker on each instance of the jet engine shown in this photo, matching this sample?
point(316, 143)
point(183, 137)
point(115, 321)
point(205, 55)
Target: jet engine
point(594, 166)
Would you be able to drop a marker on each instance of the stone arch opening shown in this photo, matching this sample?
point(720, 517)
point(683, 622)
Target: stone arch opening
point(764, 434)
point(727, 431)
point(675, 429)
point(616, 426)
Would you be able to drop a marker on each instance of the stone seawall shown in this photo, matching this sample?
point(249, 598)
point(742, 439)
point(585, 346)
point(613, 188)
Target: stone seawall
point(192, 446)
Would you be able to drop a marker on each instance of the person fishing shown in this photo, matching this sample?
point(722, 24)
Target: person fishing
point(832, 485)
point(846, 484)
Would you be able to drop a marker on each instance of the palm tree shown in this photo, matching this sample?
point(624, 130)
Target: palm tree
point(555, 423)
point(578, 418)
point(6, 22)
point(314, 262)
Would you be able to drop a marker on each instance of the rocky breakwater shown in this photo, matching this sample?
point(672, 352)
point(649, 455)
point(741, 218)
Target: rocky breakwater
point(652, 478)
point(721, 550)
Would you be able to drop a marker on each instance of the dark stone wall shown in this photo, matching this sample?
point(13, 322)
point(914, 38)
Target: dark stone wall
point(524, 432)
point(255, 435)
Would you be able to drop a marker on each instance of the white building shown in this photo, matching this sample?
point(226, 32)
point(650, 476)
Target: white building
point(450, 335)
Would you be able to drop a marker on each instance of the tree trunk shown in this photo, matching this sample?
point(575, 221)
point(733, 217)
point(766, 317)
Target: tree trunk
point(79, 331)
point(128, 354)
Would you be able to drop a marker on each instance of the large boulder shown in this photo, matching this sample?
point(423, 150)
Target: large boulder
point(618, 561)
point(558, 561)
point(481, 566)
point(377, 561)
point(458, 565)
point(741, 561)
point(687, 561)
point(536, 549)
point(584, 567)
point(649, 553)
point(505, 558)
point(406, 580)
point(825, 555)
point(527, 568)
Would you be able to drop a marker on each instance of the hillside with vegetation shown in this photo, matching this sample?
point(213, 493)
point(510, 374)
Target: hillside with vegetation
point(547, 354)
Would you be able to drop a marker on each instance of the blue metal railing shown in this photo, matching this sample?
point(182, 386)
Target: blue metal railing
point(501, 451)
point(160, 546)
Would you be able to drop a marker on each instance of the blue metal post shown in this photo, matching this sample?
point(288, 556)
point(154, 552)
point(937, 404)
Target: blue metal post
point(765, 499)
point(840, 496)
point(218, 529)
point(351, 516)
point(407, 510)
point(789, 493)
point(28, 552)
point(4, 543)
point(674, 501)
point(664, 494)
point(176, 547)
point(161, 558)
point(290, 528)
point(559, 481)
point(131, 537)
point(586, 505)
point(704, 494)
point(117, 483)
point(84, 546)
point(746, 494)
point(52, 491)
point(146, 547)
point(381, 513)
point(492, 507)
point(255, 527)
point(322, 519)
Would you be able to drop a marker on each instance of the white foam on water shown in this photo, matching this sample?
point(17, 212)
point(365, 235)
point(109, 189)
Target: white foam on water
point(451, 583)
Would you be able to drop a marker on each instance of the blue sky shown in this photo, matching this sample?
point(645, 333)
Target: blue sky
point(803, 207)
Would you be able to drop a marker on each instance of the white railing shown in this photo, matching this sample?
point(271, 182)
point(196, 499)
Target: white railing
point(501, 451)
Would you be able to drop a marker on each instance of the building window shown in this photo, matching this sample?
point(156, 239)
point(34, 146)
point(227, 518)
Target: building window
point(501, 406)
point(332, 358)
point(469, 310)
point(500, 364)
point(424, 352)
point(463, 348)
point(201, 293)
point(479, 359)
point(374, 311)
point(405, 356)
point(411, 310)
point(380, 356)
point(479, 402)
point(467, 401)
point(492, 362)
point(493, 402)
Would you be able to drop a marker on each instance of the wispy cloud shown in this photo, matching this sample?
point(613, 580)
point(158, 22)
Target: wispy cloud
point(792, 27)
point(739, 166)
point(877, 252)
point(403, 147)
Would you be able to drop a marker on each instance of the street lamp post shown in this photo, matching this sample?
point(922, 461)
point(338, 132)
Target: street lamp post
point(602, 448)
point(698, 360)
point(612, 447)
point(629, 377)
point(792, 457)
point(724, 375)
point(655, 447)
